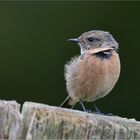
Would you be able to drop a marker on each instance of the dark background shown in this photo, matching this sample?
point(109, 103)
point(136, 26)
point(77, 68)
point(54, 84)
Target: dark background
point(33, 50)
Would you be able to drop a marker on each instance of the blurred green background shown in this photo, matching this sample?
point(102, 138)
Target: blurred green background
point(33, 50)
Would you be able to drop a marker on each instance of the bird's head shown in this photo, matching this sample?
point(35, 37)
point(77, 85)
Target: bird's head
point(95, 39)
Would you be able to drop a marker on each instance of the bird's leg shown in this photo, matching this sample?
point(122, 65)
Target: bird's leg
point(81, 103)
point(96, 108)
point(84, 109)
point(97, 111)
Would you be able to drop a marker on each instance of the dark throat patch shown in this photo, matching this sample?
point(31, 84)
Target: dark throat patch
point(103, 55)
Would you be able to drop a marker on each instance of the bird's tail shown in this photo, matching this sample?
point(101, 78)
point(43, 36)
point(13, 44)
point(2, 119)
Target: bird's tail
point(68, 102)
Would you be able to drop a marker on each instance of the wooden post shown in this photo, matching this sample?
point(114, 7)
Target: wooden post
point(39, 121)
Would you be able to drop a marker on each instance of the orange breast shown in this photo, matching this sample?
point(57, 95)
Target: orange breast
point(92, 77)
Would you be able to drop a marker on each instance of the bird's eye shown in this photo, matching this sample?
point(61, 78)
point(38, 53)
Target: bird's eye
point(93, 39)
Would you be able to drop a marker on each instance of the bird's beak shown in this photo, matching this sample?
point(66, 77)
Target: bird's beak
point(73, 40)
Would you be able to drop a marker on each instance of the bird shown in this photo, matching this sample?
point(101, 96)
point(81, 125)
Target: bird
point(94, 73)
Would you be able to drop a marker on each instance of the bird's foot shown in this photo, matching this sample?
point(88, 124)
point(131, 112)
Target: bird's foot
point(97, 112)
point(88, 111)
point(105, 114)
point(110, 114)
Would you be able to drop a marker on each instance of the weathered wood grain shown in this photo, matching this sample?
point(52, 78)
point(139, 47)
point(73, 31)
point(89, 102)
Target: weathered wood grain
point(39, 121)
point(47, 122)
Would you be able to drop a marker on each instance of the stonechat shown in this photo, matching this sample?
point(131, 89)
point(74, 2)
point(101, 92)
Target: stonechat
point(94, 73)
